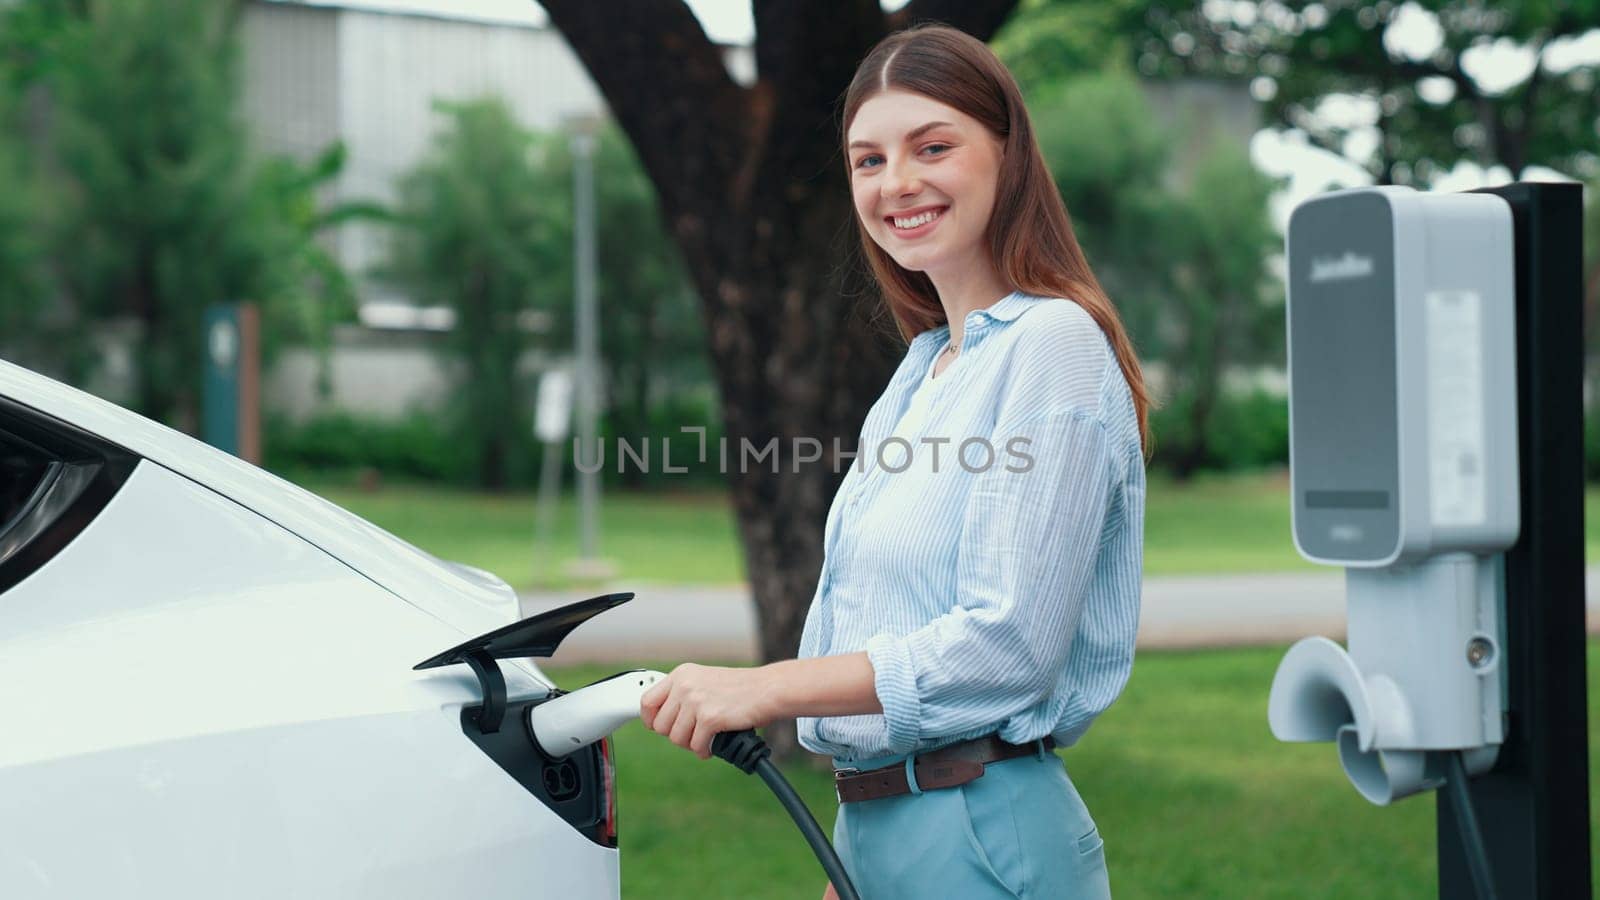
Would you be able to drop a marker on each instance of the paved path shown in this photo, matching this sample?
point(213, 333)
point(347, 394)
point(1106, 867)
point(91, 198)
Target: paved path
point(716, 623)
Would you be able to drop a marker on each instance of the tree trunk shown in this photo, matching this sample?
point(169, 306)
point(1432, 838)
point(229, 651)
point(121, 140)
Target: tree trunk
point(794, 360)
point(752, 187)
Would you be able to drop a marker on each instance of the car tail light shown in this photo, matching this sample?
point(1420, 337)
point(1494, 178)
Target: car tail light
point(608, 772)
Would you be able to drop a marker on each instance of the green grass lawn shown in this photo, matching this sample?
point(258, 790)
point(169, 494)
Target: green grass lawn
point(678, 538)
point(1215, 524)
point(1193, 795)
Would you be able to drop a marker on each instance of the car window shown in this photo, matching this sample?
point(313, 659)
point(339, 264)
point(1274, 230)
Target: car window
point(23, 468)
point(54, 480)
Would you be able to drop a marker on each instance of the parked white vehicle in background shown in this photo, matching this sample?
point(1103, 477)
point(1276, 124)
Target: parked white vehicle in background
point(207, 688)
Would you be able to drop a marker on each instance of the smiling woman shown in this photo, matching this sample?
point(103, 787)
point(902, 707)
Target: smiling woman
point(966, 621)
point(923, 178)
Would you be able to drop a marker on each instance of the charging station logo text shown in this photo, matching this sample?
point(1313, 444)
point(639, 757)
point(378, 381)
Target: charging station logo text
point(1347, 267)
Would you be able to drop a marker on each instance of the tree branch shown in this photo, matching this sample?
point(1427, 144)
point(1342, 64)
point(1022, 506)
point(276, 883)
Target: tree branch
point(662, 78)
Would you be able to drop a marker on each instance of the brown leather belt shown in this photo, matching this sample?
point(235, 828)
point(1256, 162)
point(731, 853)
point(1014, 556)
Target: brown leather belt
point(945, 767)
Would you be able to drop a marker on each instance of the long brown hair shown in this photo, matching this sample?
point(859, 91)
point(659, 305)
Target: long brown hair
point(1029, 233)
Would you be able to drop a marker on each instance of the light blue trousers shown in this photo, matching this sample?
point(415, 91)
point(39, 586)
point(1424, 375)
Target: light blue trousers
point(1019, 830)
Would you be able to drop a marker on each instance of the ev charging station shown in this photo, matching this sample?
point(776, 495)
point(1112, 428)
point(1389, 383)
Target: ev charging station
point(1436, 455)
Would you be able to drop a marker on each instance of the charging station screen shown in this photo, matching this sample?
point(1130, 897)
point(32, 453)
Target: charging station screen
point(1343, 440)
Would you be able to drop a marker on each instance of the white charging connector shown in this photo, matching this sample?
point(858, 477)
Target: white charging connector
point(573, 721)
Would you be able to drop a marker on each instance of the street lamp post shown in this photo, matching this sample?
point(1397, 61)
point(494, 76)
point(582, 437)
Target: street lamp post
point(587, 337)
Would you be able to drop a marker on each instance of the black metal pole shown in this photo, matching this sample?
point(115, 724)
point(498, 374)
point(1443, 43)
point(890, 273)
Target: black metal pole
point(1534, 805)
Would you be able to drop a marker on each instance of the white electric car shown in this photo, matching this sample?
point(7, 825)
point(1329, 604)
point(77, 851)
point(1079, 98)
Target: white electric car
point(210, 687)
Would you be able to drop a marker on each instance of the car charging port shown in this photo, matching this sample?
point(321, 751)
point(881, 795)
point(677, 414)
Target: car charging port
point(561, 780)
point(574, 786)
point(580, 785)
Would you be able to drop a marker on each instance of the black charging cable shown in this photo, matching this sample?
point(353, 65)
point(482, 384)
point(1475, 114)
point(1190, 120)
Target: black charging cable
point(1467, 825)
point(749, 753)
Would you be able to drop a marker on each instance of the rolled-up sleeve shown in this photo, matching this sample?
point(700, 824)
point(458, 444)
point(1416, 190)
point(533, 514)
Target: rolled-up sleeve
point(1029, 541)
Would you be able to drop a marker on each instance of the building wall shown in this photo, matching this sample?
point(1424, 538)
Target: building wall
point(395, 68)
point(290, 69)
point(319, 73)
point(316, 74)
point(382, 374)
point(1203, 111)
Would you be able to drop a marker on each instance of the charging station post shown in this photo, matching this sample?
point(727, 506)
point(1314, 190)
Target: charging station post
point(1436, 450)
point(1533, 806)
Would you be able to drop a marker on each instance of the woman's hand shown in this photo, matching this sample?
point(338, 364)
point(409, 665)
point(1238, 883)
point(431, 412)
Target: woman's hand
point(694, 703)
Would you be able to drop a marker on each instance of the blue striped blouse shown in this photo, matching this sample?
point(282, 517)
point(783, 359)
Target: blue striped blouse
point(990, 567)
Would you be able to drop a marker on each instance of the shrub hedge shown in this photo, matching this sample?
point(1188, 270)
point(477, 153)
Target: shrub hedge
point(1246, 431)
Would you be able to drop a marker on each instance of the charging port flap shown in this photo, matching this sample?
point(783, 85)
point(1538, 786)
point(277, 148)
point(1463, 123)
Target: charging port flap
point(538, 635)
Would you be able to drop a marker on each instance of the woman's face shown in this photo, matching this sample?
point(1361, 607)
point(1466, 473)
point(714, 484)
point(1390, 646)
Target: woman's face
point(923, 193)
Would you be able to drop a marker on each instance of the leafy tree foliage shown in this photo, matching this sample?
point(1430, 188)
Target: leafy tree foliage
point(1432, 106)
point(481, 232)
point(1047, 42)
point(310, 290)
point(22, 292)
point(1404, 72)
point(486, 227)
point(158, 207)
point(1431, 103)
point(1186, 262)
point(154, 185)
